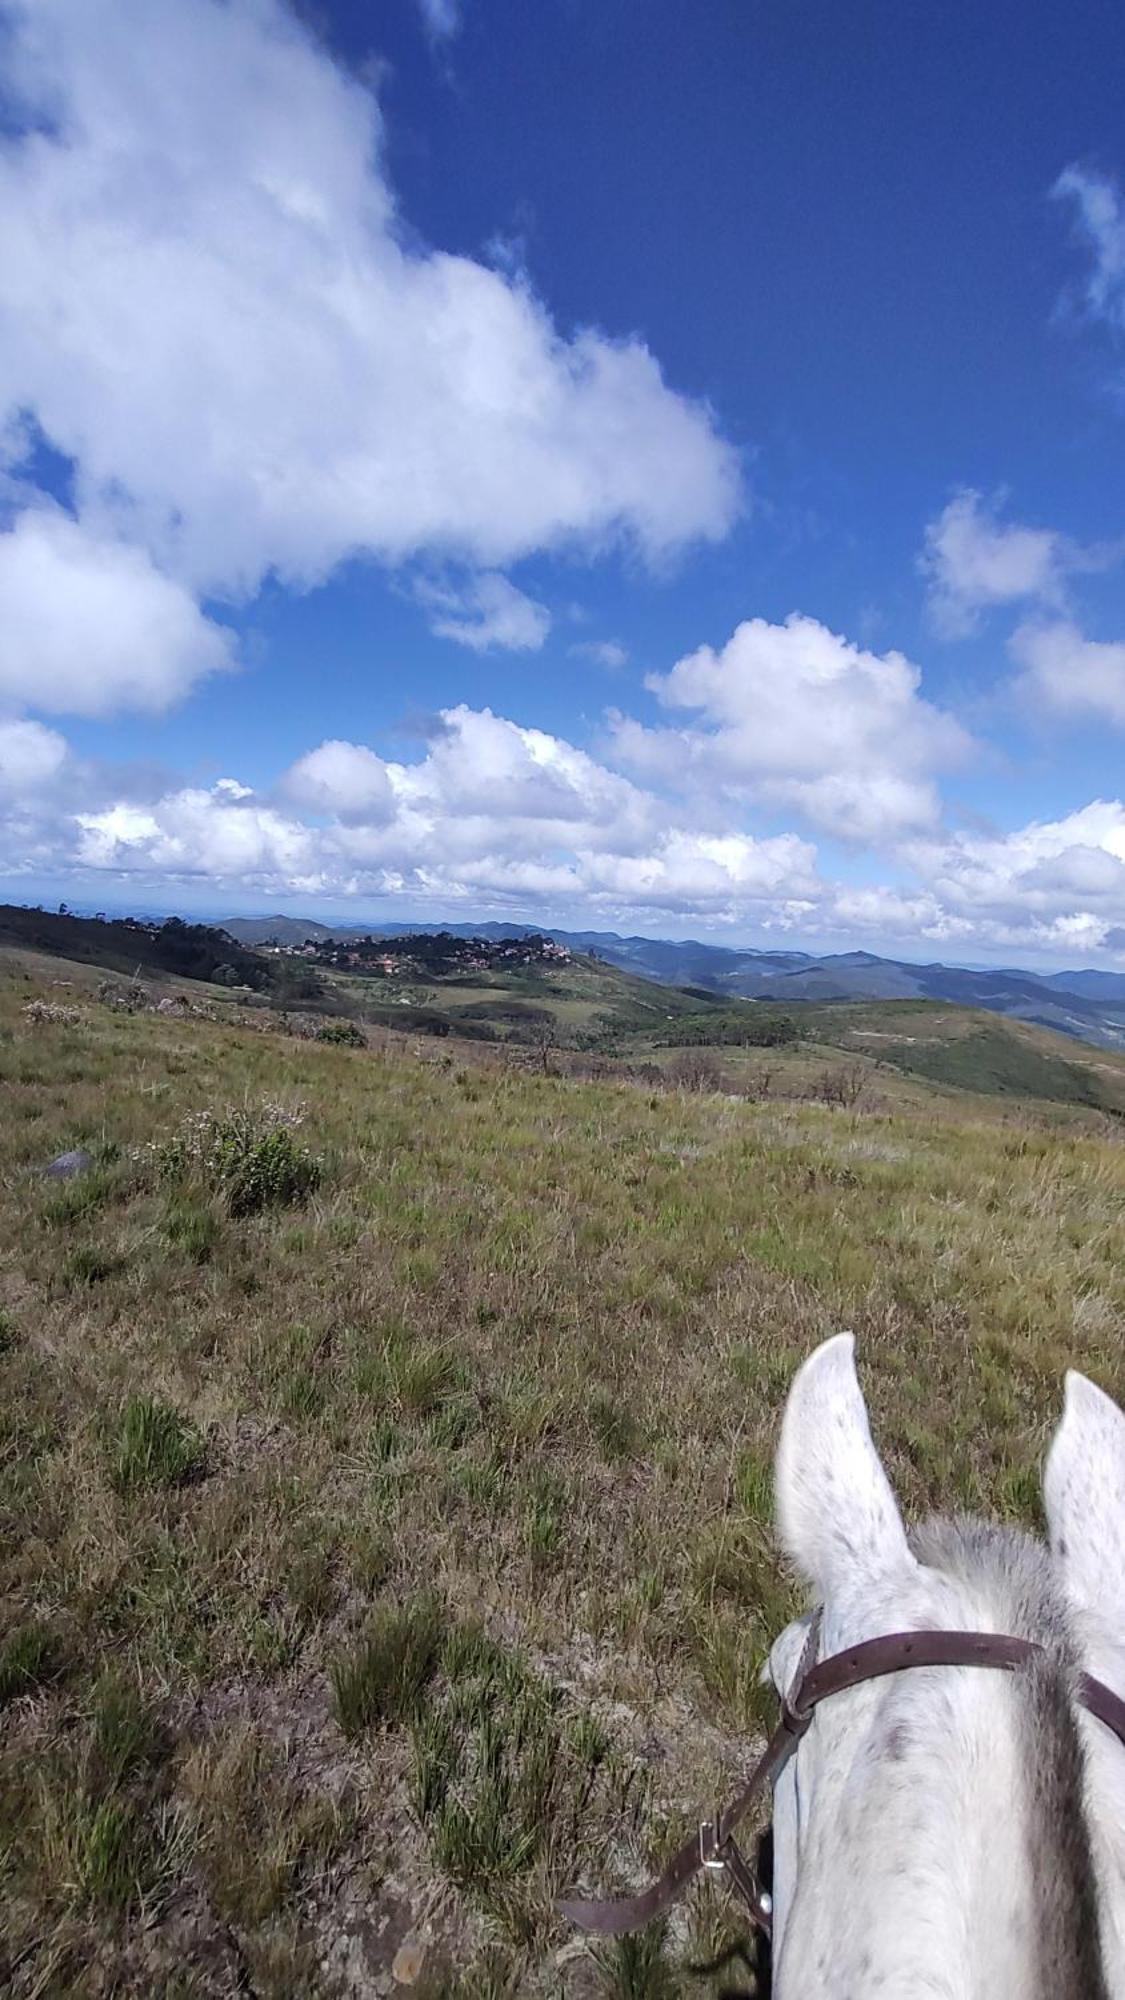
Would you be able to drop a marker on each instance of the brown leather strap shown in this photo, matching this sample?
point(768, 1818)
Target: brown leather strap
point(749, 1888)
point(712, 1845)
point(704, 1848)
point(897, 1650)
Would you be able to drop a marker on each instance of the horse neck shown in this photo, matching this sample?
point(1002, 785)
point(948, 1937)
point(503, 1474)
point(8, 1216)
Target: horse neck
point(935, 1819)
point(1102, 1653)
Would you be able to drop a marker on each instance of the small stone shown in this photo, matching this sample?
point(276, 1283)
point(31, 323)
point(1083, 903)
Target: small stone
point(408, 1962)
point(66, 1165)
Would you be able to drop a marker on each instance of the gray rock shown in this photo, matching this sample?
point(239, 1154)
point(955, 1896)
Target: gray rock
point(67, 1165)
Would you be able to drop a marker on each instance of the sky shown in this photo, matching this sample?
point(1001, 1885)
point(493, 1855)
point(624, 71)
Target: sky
point(592, 462)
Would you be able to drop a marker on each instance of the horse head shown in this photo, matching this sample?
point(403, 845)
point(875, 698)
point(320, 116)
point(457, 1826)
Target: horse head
point(943, 1831)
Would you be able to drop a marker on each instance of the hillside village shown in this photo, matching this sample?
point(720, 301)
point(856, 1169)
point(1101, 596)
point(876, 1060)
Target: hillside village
point(439, 955)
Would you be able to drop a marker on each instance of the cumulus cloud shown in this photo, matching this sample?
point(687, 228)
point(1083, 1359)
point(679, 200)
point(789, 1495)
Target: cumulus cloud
point(1069, 674)
point(484, 771)
point(213, 308)
point(493, 813)
point(1053, 889)
point(220, 834)
point(31, 757)
point(974, 562)
point(344, 779)
point(485, 612)
point(796, 718)
point(498, 817)
point(88, 625)
point(1051, 885)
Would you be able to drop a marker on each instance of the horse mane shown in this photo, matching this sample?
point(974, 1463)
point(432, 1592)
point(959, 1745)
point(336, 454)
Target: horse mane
point(1008, 1584)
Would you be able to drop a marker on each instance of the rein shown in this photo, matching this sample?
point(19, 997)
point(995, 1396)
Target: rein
point(713, 1845)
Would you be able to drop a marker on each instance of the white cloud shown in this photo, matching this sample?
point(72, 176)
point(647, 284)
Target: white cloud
point(496, 817)
point(199, 833)
point(690, 871)
point(483, 772)
point(494, 814)
point(974, 562)
point(442, 18)
point(1050, 885)
point(1069, 674)
point(1101, 226)
point(31, 756)
point(212, 306)
point(344, 779)
point(608, 653)
point(484, 612)
point(87, 625)
point(796, 718)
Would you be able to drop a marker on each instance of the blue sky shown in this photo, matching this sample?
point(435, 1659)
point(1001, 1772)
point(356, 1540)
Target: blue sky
point(589, 462)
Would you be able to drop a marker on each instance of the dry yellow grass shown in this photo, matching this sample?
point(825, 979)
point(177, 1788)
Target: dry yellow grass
point(517, 1359)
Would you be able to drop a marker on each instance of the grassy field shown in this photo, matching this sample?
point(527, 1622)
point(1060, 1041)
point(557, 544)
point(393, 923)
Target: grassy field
point(385, 1445)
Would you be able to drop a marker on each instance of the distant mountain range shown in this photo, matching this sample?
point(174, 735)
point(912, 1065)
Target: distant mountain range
point(1089, 1005)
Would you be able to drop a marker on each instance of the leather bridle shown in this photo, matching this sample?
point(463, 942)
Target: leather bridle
point(713, 1845)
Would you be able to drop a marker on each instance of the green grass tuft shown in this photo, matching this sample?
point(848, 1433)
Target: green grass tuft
point(194, 1229)
point(87, 1265)
point(637, 1968)
point(500, 1776)
point(615, 1427)
point(30, 1657)
point(154, 1446)
point(384, 1678)
point(126, 1738)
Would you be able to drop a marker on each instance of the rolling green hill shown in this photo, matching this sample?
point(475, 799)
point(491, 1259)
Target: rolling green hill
point(965, 1049)
point(588, 1007)
point(1087, 1005)
point(172, 948)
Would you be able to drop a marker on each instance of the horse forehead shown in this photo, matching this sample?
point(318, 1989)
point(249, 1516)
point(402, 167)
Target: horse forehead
point(915, 1600)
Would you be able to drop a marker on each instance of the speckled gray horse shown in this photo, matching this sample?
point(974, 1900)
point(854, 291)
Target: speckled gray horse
point(951, 1832)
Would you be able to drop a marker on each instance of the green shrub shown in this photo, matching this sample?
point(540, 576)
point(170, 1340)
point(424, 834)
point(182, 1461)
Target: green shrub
point(345, 1033)
point(750, 1027)
point(154, 1446)
point(266, 1172)
point(251, 1159)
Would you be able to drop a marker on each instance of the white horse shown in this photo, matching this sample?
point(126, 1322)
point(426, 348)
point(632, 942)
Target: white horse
point(952, 1832)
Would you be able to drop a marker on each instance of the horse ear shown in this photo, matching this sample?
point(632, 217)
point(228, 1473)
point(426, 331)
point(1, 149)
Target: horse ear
point(1084, 1500)
point(835, 1508)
